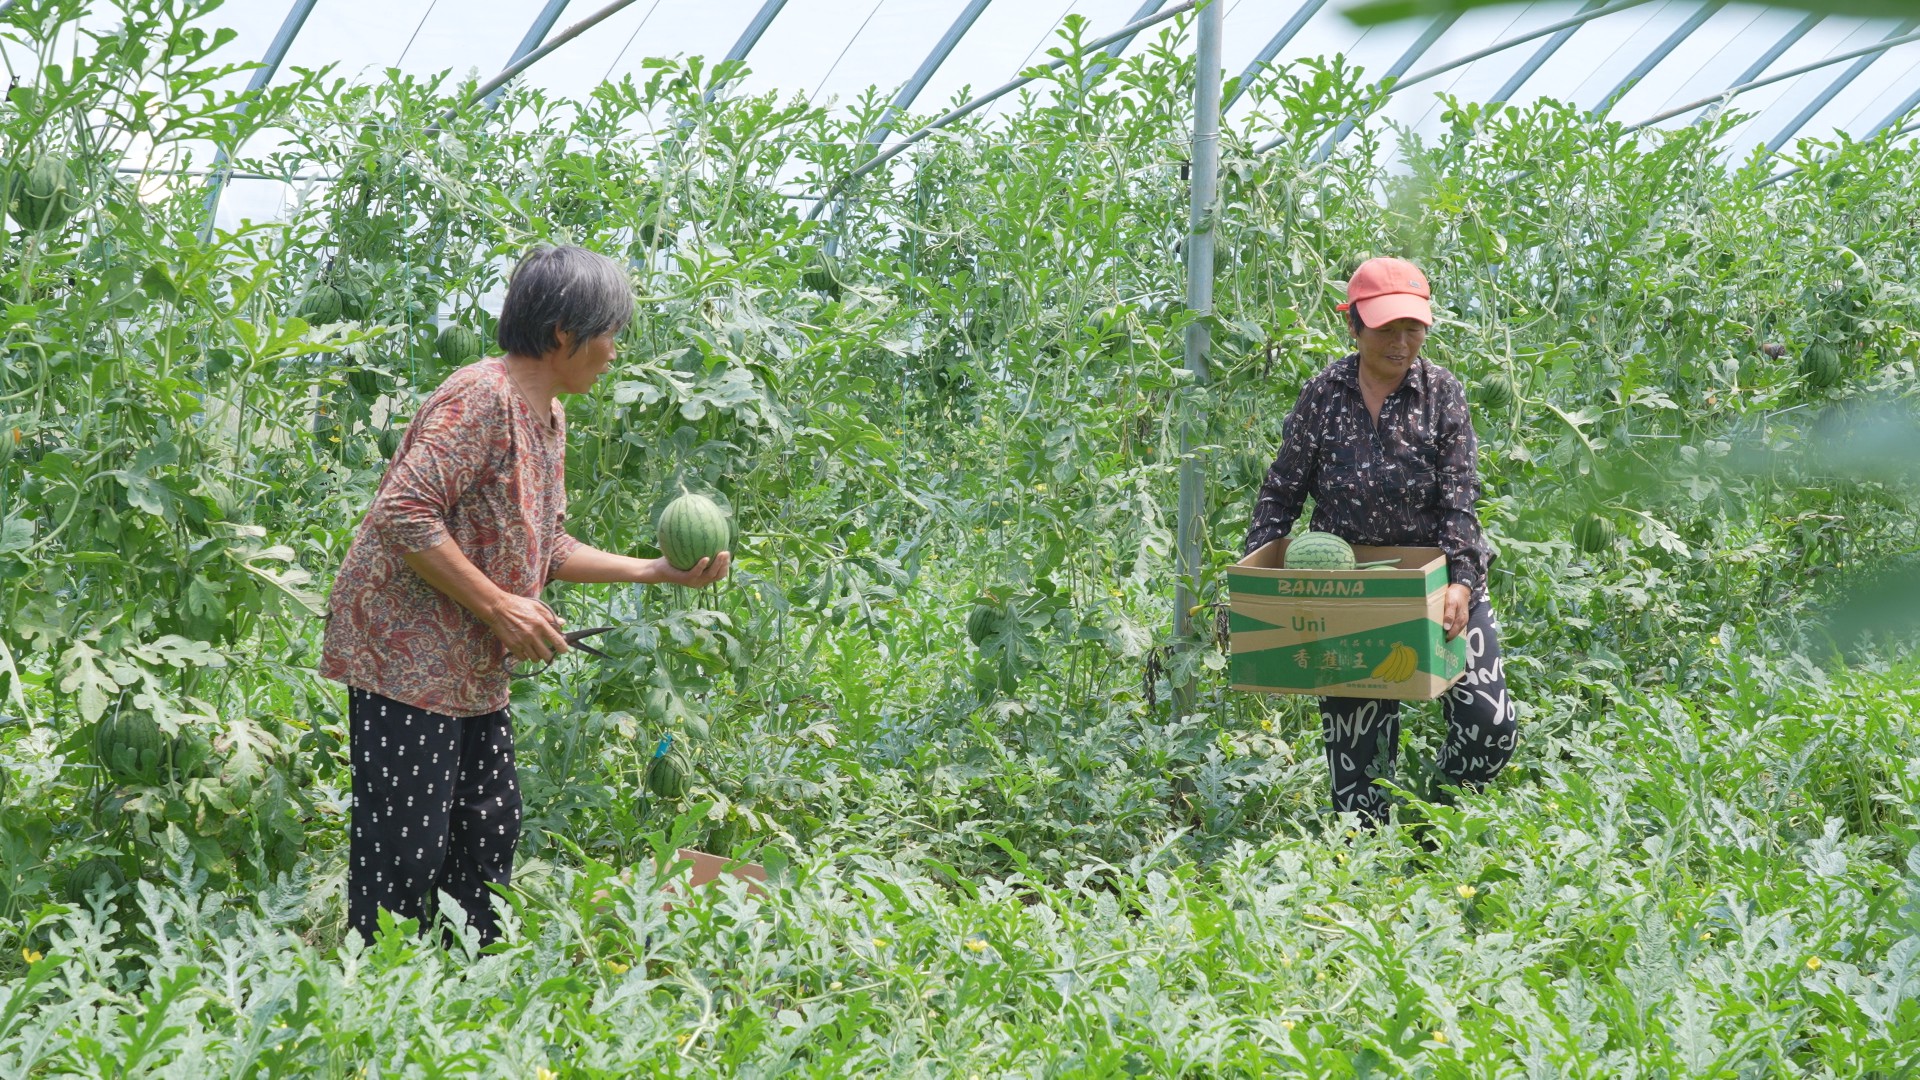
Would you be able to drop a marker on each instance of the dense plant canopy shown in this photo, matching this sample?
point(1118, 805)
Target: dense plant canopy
point(933, 696)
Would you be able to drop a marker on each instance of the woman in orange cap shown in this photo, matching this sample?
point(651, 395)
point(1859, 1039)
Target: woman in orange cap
point(1382, 440)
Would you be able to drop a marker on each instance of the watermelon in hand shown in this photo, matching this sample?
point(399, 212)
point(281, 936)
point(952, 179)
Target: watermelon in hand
point(693, 527)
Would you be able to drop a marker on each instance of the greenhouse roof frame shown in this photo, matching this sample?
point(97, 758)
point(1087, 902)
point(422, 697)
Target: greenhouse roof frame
point(1650, 49)
point(1833, 89)
point(1296, 26)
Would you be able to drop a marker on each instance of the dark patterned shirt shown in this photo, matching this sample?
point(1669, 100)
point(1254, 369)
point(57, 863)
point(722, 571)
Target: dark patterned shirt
point(1410, 479)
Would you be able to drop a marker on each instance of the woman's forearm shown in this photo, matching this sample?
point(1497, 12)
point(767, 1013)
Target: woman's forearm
point(447, 568)
point(589, 565)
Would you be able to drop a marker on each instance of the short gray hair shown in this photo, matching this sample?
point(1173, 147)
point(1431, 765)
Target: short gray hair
point(563, 288)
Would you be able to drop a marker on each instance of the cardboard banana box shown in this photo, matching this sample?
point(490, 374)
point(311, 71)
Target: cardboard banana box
point(1343, 633)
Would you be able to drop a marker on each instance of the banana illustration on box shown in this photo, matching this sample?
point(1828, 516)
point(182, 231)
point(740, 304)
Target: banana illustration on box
point(1399, 665)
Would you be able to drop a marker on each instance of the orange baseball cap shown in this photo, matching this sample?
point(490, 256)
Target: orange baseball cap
point(1387, 289)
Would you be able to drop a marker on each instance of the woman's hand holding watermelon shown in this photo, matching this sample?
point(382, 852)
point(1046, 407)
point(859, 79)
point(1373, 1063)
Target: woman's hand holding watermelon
point(698, 576)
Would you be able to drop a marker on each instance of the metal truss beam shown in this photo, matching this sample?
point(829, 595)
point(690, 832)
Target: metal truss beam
point(542, 24)
point(1832, 91)
point(750, 37)
point(924, 74)
point(1660, 52)
point(1540, 56)
point(1433, 33)
point(269, 65)
point(1438, 70)
point(981, 102)
point(1306, 11)
point(1120, 46)
point(1792, 73)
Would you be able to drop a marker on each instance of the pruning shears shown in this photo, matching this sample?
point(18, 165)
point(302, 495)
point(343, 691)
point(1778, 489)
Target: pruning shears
point(575, 640)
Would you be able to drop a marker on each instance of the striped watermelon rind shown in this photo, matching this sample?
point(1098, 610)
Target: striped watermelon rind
point(456, 344)
point(86, 876)
point(693, 527)
point(1319, 551)
point(670, 775)
point(130, 746)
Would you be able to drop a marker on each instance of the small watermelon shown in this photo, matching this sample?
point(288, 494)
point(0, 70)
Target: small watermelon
point(670, 774)
point(693, 527)
point(130, 746)
point(46, 195)
point(1594, 534)
point(1493, 392)
point(1319, 551)
point(92, 874)
point(1820, 366)
point(822, 275)
point(365, 381)
point(356, 299)
point(321, 305)
point(457, 344)
point(984, 621)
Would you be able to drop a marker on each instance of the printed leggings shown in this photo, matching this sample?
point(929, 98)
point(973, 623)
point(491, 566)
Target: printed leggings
point(436, 808)
point(1363, 734)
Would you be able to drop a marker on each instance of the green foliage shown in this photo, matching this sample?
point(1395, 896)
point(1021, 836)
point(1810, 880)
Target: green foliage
point(993, 847)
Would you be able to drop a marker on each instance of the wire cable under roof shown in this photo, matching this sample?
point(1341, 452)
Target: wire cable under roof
point(416, 32)
point(811, 98)
point(631, 38)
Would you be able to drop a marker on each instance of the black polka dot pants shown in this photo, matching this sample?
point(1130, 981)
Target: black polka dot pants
point(436, 808)
point(1363, 734)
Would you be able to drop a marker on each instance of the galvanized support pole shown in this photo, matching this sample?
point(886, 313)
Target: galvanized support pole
point(542, 25)
point(1660, 52)
point(1307, 10)
point(1832, 91)
point(749, 38)
point(1201, 220)
point(269, 64)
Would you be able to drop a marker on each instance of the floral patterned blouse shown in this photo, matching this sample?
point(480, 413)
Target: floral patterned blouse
point(476, 466)
point(1410, 479)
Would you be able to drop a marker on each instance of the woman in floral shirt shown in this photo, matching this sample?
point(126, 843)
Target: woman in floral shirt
point(440, 595)
point(1382, 441)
